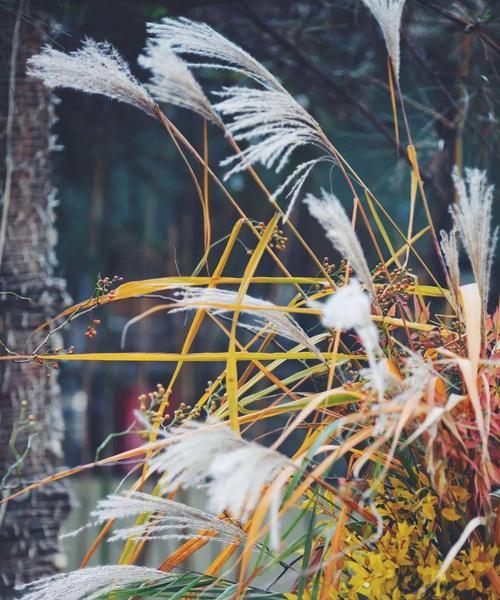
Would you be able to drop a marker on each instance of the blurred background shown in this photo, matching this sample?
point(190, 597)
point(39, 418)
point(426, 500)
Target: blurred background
point(127, 207)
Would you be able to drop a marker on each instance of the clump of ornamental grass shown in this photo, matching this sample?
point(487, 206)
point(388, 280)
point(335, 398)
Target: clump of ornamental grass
point(400, 400)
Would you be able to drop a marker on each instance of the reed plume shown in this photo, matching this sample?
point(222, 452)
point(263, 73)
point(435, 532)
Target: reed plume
point(472, 215)
point(262, 312)
point(330, 214)
point(192, 38)
point(168, 519)
point(172, 82)
point(232, 470)
point(90, 583)
point(96, 68)
point(388, 15)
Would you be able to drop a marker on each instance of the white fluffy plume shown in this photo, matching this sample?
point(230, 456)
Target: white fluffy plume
point(349, 308)
point(172, 82)
point(167, 519)
point(388, 15)
point(96, 68)
point(90, 583)
point(449, 247)
point(192, 38)
point(272, 121)
point(239, 478)
point(332, 217)
point(188, 458)
point(472, 216)
point(262, 312)
point(233, 470)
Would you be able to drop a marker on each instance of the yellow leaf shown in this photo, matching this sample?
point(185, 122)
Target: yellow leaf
point(428, 508)
point(459, 493)
point(450, 514)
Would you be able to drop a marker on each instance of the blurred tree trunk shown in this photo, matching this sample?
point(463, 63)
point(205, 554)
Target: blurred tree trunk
point(30, 407)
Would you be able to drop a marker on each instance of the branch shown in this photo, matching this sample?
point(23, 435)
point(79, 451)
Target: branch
point(467, 25)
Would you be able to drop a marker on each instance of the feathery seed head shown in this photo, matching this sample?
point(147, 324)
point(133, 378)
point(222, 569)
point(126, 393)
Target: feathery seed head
point(240, 476)
point(449, 247)
point(272, 121)
point(233, 471)
point(172, 82)
point(388, 15)
point(90, 583)
point(262, 312)
point(472, 215)
point(186, 461)
point(418, 376)
point(192, 38)
point(330, 213)
point(170, 518)
point(296, 180)
point(347, 308)
point(96, 68)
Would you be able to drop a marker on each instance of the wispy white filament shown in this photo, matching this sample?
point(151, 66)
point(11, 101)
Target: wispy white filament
point(263, 312)
point(90, 583)
point(192, 38)
point(233, 471)
point(272, 121)
point(330, 213)
point(295, 181)
point(388, 15)
point(167, 519)
point(472, 216)
point(172, 82)
point(349, 308)
point(97, 68)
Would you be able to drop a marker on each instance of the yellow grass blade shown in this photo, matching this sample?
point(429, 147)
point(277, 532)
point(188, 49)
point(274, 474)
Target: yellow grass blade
point(231, 368)
point(383, 231)
point(415, 176)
